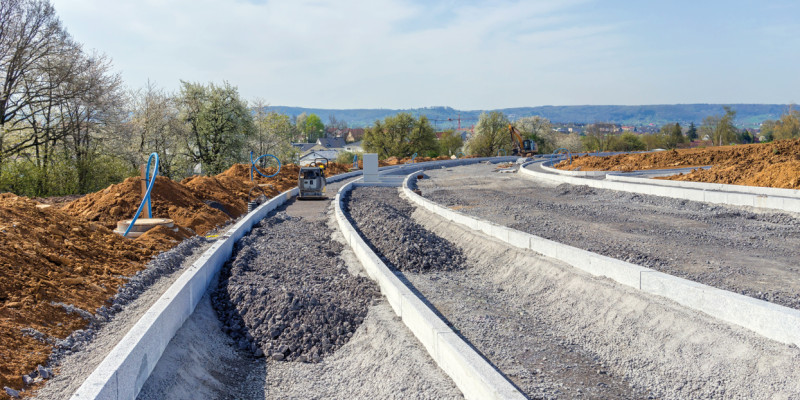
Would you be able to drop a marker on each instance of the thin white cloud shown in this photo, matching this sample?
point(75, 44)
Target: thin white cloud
point(381, 53)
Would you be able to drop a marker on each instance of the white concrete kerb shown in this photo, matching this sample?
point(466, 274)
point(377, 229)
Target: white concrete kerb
point(770, 320)
point(123, 372)
point(472, 374)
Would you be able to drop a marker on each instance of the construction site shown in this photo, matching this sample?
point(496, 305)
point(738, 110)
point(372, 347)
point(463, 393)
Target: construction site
point(668, 274)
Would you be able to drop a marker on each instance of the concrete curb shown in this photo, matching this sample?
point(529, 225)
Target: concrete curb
point(653, 187)
point(755, 190)
point(123, 372)
point(473, 375)
point(767, 319)
point(549, 168)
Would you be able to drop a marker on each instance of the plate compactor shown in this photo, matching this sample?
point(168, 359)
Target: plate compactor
point(311, 181)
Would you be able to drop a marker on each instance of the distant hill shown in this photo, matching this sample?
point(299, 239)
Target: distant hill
point(746, 114)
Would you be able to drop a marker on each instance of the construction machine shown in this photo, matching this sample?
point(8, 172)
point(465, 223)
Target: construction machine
point(521, 147)
point(311, 180)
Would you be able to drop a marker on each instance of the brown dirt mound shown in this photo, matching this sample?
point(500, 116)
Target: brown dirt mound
point(775, 164)
point(69, 255)
point(169, 200)
point(50, 256)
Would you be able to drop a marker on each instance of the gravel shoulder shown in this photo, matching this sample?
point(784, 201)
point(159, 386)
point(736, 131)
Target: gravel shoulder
point(561, 333)
point(747, 251)
point(271, 353)
point(77, 356)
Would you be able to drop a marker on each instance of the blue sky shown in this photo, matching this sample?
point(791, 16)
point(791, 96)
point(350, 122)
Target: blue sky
point(465, 54)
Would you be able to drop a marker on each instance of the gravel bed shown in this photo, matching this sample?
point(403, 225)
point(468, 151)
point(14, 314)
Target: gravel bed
point(379, 359)
point(560, 333)
point(403, 244)
point(747, 251)
point(286, 294)
point(511, 339)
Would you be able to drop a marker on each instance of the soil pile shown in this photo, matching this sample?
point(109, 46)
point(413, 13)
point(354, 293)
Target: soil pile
point(775, 164)
point(287, 294)
point(169, 200)
point(55, 269)
point(398, 240)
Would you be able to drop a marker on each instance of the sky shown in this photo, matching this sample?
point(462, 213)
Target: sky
point(468, 55)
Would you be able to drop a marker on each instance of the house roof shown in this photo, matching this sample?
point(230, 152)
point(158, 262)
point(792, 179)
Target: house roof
point(330, 143)
point(328, 154)
point(303, 147)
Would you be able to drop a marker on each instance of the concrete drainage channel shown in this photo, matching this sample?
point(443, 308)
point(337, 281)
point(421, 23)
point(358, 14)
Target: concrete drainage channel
point(125, 369)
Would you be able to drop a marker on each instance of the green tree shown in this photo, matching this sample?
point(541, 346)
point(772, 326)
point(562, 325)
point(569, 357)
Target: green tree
point(691, 134)
point(273, 133)
point(400, 135)
point(768, 130)
point(673, 135)
point(219, 124)
point(720, 128)
point(539, 130)
point(491, 135)
point(450, 143)
point(788, 126)
point(313, 128)
point(626, 142)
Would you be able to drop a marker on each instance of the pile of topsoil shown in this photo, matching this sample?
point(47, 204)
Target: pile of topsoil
point(55, 270)
point(61, 263)
point(775, 164)
point(384, 220)
point(287, 294)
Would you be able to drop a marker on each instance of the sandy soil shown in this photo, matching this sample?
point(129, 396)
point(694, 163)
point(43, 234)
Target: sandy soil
point(63, 263)
point(775, 164)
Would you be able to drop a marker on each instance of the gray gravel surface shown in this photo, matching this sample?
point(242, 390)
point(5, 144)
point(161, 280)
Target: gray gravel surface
point(517, 341)
point(561, 333)
point(747, 251)
point(287, 294)
point(382, 359)
point(403, 243)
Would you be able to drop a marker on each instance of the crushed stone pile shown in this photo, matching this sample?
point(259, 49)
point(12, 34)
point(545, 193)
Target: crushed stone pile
point(287, 294)
point(55, 270)
point(775, 164)
point(398, 240)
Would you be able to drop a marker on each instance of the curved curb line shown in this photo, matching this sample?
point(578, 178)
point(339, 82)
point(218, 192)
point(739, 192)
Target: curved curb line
point(473, 375)
point(565, 172)
point(125, 369)
point(733, 198)
point(767, 319)
point(754, 190)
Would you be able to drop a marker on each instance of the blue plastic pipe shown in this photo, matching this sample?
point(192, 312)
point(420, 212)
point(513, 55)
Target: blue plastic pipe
point(146, 199)
point(253, 165)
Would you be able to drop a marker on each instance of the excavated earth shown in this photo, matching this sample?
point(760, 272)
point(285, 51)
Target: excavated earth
point(775, 164)
point(559, 333)
point(747, 251)
point(62, 264)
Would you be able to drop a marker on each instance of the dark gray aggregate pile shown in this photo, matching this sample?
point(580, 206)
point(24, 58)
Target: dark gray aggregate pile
point(287, 294)
point(749, 252)
point(399, 241)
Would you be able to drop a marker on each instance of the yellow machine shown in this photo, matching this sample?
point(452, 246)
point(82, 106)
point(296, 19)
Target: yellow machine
point(311, 181)
point(521, 147)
